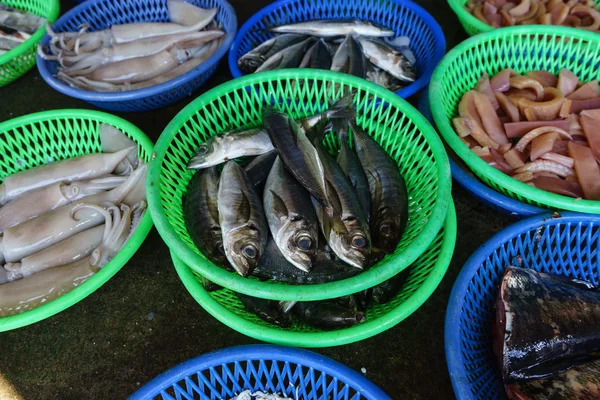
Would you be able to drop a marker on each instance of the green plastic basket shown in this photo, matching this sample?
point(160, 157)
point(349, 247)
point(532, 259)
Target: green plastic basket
point(21, 59)
point(39, 138)
point(424, 277)
point(472, 25)
point(523, 48)
point(398, 127)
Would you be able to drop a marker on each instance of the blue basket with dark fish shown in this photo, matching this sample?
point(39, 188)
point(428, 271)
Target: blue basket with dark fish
point(474, 186)
point(393, 43)
point(136, 55)
point(523, 317)
point(261, 372)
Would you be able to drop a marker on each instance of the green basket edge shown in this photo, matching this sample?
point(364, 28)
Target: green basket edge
point(538, 196)
point(471, 22)
point(95, 282)
point(294, 292)
point(332, 338)
point(34, 39)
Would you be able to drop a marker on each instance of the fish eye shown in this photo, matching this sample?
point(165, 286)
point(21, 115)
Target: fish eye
point(385, 229)
point(359, 242)
point(304, 243)
point(202, 150)
point(250, 251)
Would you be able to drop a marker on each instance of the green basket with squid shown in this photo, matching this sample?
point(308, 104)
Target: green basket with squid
point(36, 139)
point(16, 62)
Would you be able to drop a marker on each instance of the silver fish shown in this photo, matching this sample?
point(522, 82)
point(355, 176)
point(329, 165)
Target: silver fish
point(329, 28)
point(9, 41)
point(229, 145)
point(292, 219)
point(384, 79)
point(389, 197)
point(349, 58)
point(387, 58)
point(242, 219)
point(318, 56)
point(19, 20)
point(289, 57)
point(253, 59)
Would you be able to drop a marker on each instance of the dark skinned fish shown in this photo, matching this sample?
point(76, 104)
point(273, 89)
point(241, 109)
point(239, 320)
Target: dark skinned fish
point(317, 57)
point(545, 324)
point(388, 59)
point(242, 219)
point(267, 310)
point(201, 215)
point(274, 266)
point(386, 291)
point(258, 169)
point(352, 167)
point(349, 58)
point(333, 28)
point(208, 285)
point(252, 60)
point(289, 57)
point(291, 219)
point(328, 315)
point(389, 198)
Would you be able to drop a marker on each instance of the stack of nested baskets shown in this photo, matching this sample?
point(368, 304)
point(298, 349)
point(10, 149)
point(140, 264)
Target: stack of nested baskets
point(426, 246)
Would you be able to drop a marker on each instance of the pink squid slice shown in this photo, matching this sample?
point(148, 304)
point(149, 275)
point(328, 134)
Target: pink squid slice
point(587, 170)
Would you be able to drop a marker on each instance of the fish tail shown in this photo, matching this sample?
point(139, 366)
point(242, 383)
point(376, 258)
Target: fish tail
point(344, 107)
point(340, 126)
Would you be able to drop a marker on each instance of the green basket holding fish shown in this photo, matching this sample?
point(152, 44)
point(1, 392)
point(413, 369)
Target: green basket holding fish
point(16, 62)
point(471, 23)
point(522, 48)
point(401, 130)
point(424, 276)
point(40, 138)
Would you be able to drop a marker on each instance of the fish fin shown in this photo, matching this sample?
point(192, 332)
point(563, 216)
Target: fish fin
point(244, 209)
point(344, 107)
point(279, 206)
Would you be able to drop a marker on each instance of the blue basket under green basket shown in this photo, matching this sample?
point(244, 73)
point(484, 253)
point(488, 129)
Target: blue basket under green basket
point(566, 244)
point(299, 374)
point(101, 14)
point(405, 17)
point(474, 186)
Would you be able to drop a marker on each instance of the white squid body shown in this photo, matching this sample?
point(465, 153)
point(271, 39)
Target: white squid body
point(113, 140)
point(25, 294)
point(75, 169)
point(38, 202)
point(47, 229)
point(138, 192)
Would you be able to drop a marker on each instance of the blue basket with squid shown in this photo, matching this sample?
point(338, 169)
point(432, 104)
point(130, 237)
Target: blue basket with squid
point(288, 372)
point(404, 17)
point(102, 14)
point(567, 245)
point(475, 187)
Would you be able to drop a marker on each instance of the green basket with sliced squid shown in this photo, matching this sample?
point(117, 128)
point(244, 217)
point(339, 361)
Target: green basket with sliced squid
point(72, 209)
point(21, 28)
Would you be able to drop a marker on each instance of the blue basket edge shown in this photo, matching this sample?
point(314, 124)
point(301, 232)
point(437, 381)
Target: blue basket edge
point(258, 351)
point(406, 92)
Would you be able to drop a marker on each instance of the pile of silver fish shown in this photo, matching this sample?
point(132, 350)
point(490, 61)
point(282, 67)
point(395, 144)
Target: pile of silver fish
point(63, 221)
point(138, 55)
point(354, 47)
point(248, 395)
point(295, 213)
point(16, 26)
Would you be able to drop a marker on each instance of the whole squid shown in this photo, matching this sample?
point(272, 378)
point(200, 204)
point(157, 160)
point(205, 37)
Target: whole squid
point(45, 230)
point(74, 169)
point(48, 198)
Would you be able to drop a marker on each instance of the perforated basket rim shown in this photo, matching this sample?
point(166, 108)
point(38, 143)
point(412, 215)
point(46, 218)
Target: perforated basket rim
point(476, 188)
point(155, 90)
point(253, 287)
point(100, 278)
point(328, 338)
point(406, 92)
point(458, 6)
point(452, 338)
point(35, 38)
point(261, 352)
point(536, 195)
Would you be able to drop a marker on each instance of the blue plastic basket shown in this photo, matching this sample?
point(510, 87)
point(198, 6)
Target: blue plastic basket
point(225, 373)
point(403, 16)
point(101, 14)
point(475, 187)
point(564, 245)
